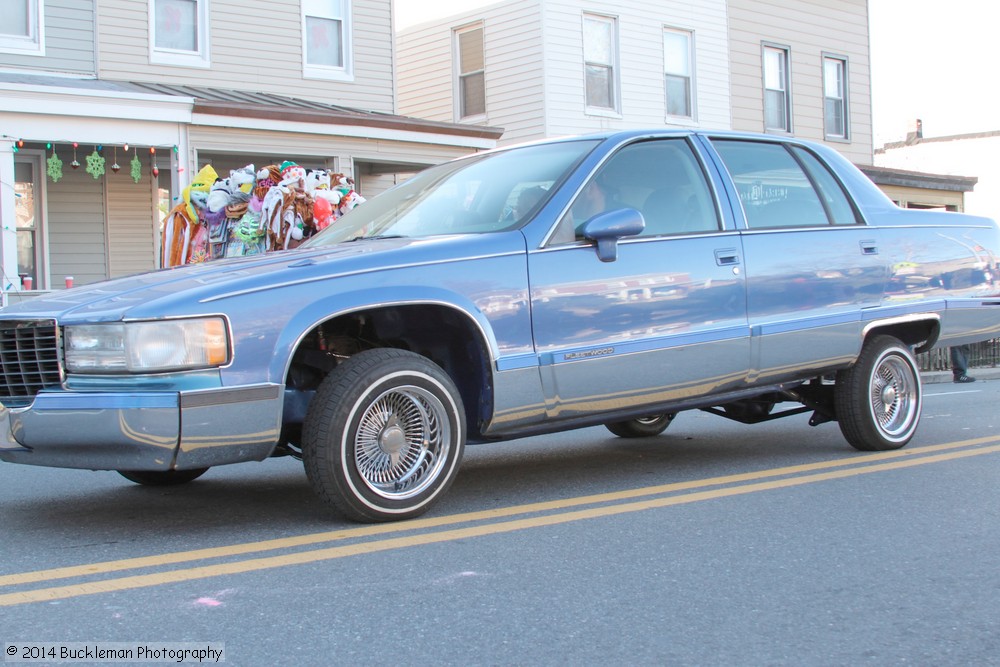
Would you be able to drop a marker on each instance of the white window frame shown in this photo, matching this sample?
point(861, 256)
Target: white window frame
point(32, 44)
point(785, 81)
point(345, 72)
point(612, 66)
point(841, 101)
point(180, 57)
point(461, 75)
point(688, 75)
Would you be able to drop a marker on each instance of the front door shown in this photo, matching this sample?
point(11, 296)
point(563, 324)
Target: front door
point(664, 321)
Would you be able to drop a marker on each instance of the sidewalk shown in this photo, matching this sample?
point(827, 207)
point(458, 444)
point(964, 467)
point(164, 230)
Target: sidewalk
point(934, 377)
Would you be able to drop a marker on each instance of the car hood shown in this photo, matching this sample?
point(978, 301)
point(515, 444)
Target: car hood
point(180, 290)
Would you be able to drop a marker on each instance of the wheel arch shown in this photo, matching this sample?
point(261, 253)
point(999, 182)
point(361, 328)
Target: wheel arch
point(452, 333)
point(918, 331)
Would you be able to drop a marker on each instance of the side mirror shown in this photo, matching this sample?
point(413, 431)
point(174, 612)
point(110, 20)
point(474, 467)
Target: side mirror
point(607, 228)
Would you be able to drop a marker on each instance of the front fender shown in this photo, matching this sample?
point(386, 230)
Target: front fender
point(344, 303)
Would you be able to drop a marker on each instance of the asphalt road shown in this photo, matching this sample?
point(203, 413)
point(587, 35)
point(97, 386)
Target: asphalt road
point(713, 544)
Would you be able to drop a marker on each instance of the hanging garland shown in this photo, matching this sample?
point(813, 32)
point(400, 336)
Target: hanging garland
point(136, 166)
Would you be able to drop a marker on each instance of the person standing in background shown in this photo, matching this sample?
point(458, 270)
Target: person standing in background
point(960, 364)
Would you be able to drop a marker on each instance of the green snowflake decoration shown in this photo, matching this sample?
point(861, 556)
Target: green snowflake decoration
point(136, 165)
point(54, 167)
point(95, 164)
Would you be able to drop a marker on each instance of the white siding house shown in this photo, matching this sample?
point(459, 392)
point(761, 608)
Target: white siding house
point(556, 67)
point(802, 67)
point(172, 87)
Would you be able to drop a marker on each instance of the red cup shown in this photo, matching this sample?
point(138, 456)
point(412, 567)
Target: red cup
point(27, 282)
point(69, 281)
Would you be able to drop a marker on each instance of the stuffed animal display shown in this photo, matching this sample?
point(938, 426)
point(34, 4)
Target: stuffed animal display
point(253, 211)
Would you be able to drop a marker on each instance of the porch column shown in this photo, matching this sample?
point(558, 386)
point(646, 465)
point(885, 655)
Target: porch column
point(8, 222)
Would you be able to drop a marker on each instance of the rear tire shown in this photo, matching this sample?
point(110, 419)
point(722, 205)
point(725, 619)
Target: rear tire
point(384, 435)
point(641, 427)
point(162, 477)
point(878, 400)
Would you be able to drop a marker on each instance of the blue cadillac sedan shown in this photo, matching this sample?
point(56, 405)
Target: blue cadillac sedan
point(615, 279)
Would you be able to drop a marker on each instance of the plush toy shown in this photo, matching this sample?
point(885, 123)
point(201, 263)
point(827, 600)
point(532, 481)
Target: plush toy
point(317, 179)
point(196, 194)
point(292, 175)
point(243, 179)
point(267, 178)
point(220, 195)
point(349, 201)
point(348, 197)
point(322, 213)
point(175, 241)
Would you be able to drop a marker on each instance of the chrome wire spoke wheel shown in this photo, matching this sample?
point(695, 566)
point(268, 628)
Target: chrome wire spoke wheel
point(877, 400)
point(384, 435)
point(402, 441)
point(893, 396)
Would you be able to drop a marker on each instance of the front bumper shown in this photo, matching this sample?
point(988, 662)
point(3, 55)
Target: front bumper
point(143, 430)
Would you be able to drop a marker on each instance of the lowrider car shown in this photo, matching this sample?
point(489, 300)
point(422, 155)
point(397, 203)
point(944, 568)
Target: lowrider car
point(613, 279)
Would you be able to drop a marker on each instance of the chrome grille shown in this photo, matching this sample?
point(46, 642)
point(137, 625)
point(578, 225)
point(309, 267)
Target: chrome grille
point(29, 360)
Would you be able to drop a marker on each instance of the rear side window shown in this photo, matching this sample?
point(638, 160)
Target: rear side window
point(832, 194)
point(773, 188)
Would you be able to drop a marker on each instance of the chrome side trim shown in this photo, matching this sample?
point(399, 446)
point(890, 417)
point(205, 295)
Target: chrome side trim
point(210, 397)
point(358, 272)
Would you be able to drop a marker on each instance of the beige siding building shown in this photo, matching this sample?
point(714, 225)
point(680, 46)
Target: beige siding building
point(87, 90)
point(542, 68)
point(802, 67)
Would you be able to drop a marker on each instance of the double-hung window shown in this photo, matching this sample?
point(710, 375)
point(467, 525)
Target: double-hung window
point(600, 48)
point(835, 97)
point(326, 36)
point(678, 72)
point(471, 67)
point(777, 102)
point(22, 28)
point(179, 32)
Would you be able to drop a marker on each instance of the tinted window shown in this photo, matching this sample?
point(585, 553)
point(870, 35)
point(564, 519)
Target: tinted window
point(837, 203)
point(772, 187)
point(662, 179)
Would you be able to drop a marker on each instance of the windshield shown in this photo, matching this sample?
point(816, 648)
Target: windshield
point(483, 193)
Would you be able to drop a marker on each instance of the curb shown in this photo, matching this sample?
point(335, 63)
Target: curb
point(936, 377)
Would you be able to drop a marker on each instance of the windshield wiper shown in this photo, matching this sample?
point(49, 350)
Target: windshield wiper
point(377, 236)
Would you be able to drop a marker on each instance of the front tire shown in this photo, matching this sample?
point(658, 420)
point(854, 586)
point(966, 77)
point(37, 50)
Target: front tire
point(641, 427)
point(878, 399)
point(384, 436)
point(162, 477)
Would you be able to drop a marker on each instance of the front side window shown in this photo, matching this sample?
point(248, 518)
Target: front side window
point(662, 179)
point(471, 72)
point(777, 105)
point(835, 97)
point(678, 72)
point(773, 186)
point(179, 32)
point(22, 28)
point(326, 38)
point(599, 55)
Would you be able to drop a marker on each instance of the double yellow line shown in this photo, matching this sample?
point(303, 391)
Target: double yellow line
point(490, 522)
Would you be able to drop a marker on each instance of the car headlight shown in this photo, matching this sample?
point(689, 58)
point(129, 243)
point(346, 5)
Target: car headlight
point(147, 347)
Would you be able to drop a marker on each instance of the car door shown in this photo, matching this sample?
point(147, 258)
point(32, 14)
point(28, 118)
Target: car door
point(813, 266)
point(664, 321)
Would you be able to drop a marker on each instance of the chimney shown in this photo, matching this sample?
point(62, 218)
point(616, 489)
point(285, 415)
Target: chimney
point(915, 132)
